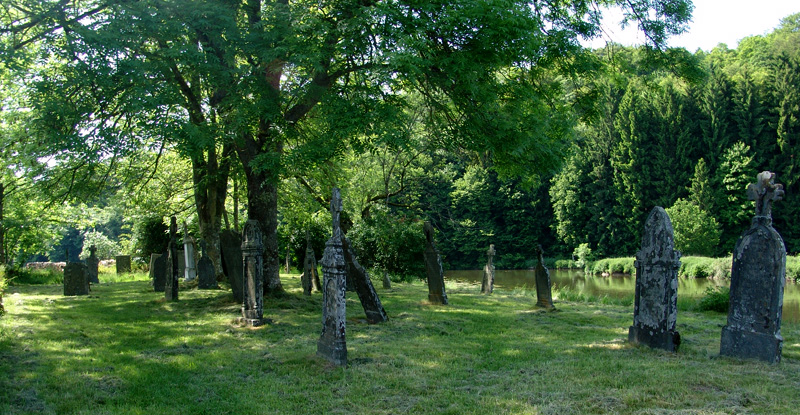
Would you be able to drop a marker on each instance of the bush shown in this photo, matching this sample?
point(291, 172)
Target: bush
point(583, 256)
point(793, 268)
point(705, 267)
point(391, 243)
point(614, 266)
point(34, 276)
point(2, 288)
point(715, 299)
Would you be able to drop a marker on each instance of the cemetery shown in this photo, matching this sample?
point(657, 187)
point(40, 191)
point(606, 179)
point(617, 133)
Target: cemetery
point(389, 207)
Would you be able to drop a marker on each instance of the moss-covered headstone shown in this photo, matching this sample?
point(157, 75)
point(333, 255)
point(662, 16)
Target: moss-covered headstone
point(332, 344)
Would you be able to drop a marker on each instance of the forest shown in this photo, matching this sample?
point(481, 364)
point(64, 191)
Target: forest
point(113, 126)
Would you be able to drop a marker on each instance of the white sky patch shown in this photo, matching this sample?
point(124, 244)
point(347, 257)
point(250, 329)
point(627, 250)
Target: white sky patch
point(713, 22)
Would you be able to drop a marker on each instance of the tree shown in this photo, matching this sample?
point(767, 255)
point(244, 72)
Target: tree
point(696, 232)
point(734, 210)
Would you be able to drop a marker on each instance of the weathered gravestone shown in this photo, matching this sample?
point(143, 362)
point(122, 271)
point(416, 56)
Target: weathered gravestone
point(230, 244)
point(206, 275)
point(189, 271)
point(363, 286)
point(158, 271)
point(331, 344)
point(387, 283)
point(253, 266)
point(655, 309)
point(173, 263)
point(758, 276)
point(433, 268)
point(76, 279)
point(487, 284)
point(310, 278)
point(544, 293)
point(123, 264)
point(181, 260)
point(92, 264)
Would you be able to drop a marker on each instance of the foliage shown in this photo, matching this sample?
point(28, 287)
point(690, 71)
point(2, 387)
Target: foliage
point(715, 299)
point(565, 264)
point(613, 266)
point(150, 236)
point(583, 256)
point(106, 248)
point(705, 267)
point(695, 231)
point(3, 286)
point(396, 245)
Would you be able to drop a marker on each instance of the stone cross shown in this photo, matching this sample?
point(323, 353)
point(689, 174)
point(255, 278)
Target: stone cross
point(433, 268)
point(173, 273)
point(332, 344)
point(758, 276)
point(92, 263)
point(253, 265)
point(655, 308)
point(544, 294)
point(487, 285)
point(189, 272)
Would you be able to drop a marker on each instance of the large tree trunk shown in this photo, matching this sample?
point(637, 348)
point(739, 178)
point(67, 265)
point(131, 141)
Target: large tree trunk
point(262, 205)
point(210, 176)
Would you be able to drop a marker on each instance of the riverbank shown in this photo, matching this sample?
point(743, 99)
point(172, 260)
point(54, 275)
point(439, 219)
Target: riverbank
point(123, 350)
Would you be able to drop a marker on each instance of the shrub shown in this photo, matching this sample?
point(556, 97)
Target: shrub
point(565, 264)
point(394, 244)
point(696, 231)
point(583, 256)
point(793, 268)
point(614, 266)
point(715, 299)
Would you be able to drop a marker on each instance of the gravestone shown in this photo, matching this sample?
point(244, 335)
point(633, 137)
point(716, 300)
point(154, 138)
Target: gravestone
point(655, 309)
point(331, 344)
point(173, 263)
point(433, 268)
point(387, 283)
point(487, 284)
point(544, 293)
point(181, 260)
point(253, 266)
point(230, 244)
point(310, 278)
point(206, 275)
point(158, 271)
point(363, 286)
point(190, 271)
point(92, 264)
point(76, 279)
point(758, 276)
point(123, 264)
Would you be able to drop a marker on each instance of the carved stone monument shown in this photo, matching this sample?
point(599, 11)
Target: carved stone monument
point(159, 271)
point(757, 280)
point(173, 262)
point(76, 279)
point(331, 344)
point(92, 264)
point(363, 286)
point(487, 285)
point(123, 264)
point(655, 309)
point(253, 266)
point(230, 244)
point(387, 283)
point(190, 271)
point(433, 268)
point(310, 278)
point(544, 293)
point(206, 276)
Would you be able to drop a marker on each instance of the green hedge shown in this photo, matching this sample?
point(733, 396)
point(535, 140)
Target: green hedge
point(691, 267)
point(613, 266)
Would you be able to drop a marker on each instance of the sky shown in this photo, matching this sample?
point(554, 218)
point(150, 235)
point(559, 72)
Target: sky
point(713, 22)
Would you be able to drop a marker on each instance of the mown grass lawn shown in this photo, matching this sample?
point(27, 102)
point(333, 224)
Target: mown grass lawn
point(124, 350)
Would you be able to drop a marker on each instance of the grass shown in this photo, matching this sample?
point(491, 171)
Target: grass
point(124, 350)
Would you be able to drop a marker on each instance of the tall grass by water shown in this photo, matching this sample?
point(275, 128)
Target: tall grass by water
point(124, 350)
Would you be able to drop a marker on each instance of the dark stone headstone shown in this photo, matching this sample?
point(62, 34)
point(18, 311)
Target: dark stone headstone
point(310, 278)
point(173, 263)
point(206, 276)
point(433, 269)
point(363, 286)
point(76, 279)
point(758, 276)
point(387, 283)
point(487, 284)
point(331, 344)
point(544, 293)
point(123, 264)
point(655, 309)
point(230, 244)
point(92, 264)
point(159, 271)
point(253, 265)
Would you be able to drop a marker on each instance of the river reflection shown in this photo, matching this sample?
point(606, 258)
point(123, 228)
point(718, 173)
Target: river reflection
point(617, 286)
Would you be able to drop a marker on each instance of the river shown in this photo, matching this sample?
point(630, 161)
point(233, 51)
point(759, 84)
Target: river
point(617, 286)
